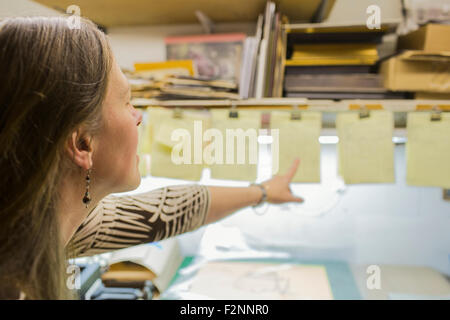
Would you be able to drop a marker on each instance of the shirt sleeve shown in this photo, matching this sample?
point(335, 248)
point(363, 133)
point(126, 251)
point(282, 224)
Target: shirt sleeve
point(122, 221)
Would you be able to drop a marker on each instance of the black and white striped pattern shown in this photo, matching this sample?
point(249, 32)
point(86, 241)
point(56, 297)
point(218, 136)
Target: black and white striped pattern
point(120, 222)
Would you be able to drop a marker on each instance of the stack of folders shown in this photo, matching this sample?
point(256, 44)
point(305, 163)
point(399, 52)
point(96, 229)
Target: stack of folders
point(185, 87)
point(262, 57)
point(334, 63)
point(173, 87)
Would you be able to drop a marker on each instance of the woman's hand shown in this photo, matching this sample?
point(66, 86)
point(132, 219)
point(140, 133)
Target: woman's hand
point(226, 200)
point(277, 187)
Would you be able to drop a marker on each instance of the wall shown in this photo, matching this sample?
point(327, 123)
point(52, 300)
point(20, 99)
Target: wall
point(23, 8)
point(138, 44)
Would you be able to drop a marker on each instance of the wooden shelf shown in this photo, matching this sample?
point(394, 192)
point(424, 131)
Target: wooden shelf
point(139, 102)
point(111, 13)
point(288, 103)
point(386, 26)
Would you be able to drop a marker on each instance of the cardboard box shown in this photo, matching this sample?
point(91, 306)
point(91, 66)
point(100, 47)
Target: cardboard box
point(417, 71)
point(431, 37)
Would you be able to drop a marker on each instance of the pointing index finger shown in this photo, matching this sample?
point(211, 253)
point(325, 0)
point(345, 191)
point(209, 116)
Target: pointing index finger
point(291, 172)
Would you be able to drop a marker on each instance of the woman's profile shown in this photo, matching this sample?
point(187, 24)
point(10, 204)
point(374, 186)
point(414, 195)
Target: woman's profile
point(68, 140)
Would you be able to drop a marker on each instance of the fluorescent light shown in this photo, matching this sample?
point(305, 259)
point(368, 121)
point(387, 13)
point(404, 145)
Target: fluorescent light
point(328, 139)
point(265, 139)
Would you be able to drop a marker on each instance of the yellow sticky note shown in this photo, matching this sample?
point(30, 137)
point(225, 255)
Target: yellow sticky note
point(167, 127)
point(365, 149)
point(144, 144)
point(174, 156)
point(428, 150)
point(154, 119)
point(239, 141)
point(297, 138)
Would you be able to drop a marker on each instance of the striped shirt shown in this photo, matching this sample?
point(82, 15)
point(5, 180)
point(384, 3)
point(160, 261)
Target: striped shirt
point(122, 221)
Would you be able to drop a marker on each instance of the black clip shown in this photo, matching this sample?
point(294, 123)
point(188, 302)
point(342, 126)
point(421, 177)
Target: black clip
point(435, 114)
point(233, 112)
point(296, 114)
point(177, 113)
point(364, 112)
point(446, 194)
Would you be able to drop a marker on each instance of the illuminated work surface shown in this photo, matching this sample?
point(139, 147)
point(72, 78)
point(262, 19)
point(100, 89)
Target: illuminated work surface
point(346, 282)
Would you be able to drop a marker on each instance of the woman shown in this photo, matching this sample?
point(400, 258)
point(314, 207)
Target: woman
point(68, 137)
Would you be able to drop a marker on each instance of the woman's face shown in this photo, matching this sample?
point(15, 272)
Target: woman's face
point(115, 160)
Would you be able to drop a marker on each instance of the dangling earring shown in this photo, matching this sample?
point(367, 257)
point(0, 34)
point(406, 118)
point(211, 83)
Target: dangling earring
point(87, 196)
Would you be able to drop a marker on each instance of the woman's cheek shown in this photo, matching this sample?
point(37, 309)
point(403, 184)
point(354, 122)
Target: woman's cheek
point(132, 143)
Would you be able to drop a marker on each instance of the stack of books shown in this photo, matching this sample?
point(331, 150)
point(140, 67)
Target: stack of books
point(266, 80)
point(252, 62)
point(334, 62)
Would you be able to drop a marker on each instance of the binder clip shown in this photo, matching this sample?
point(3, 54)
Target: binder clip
point(295, 113)
point(446, 194)
point(233, 112)
point(435, 114)
point(364, 112)
point(177, 113)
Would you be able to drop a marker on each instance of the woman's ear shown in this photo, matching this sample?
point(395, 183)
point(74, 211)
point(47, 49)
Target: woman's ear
point(80, 148)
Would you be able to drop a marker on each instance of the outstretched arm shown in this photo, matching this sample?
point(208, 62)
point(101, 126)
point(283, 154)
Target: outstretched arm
point(123, 221)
